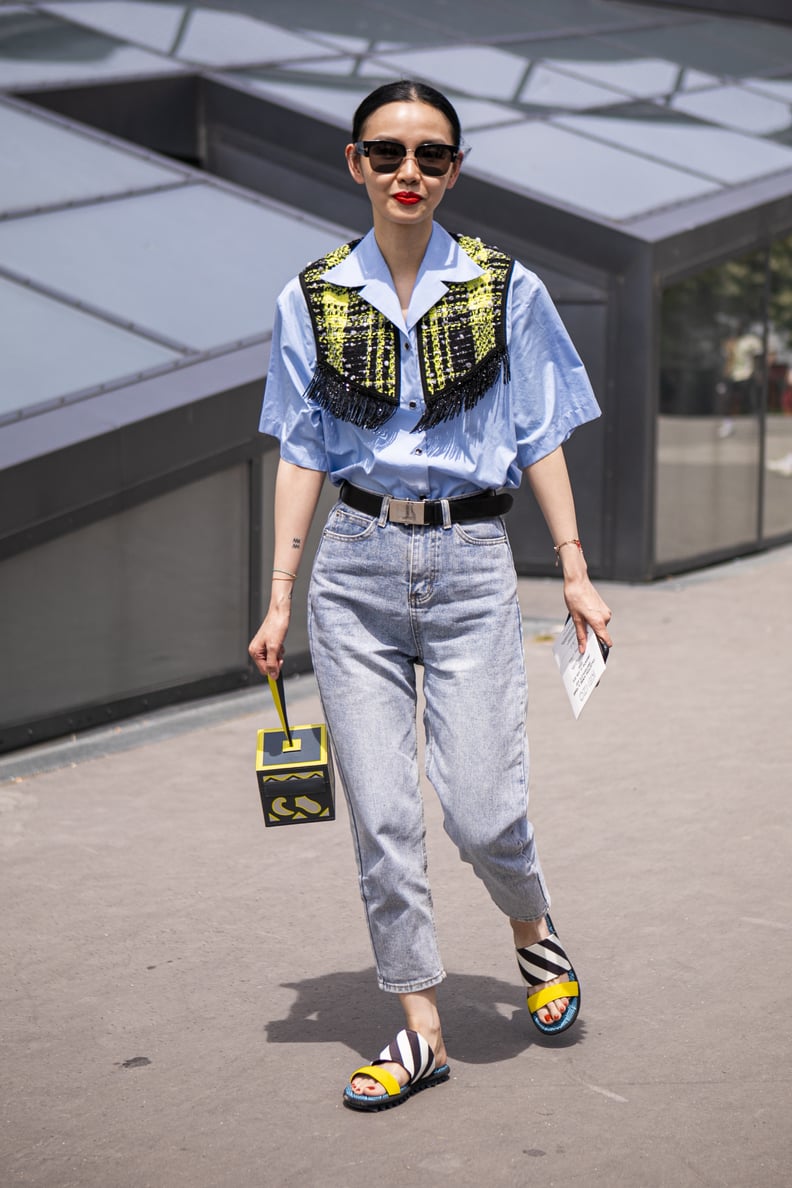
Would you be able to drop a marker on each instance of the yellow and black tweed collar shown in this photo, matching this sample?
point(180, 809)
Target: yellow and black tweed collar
point(461, 342)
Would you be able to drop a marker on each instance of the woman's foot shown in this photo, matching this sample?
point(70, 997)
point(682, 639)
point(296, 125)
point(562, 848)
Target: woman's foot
point(421, 1015)
point(529, 932)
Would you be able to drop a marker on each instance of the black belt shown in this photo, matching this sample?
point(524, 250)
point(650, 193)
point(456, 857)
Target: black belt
point(427, 512)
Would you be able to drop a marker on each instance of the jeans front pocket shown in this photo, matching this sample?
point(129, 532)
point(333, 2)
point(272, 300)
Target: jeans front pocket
point(346, 524)
point(491, 531)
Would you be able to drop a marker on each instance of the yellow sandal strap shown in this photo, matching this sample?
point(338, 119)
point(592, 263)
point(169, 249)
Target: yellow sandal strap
point(381, 1076)
point(551, 993)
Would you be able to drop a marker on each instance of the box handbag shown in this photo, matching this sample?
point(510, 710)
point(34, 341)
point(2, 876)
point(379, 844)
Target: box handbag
point(294, 767)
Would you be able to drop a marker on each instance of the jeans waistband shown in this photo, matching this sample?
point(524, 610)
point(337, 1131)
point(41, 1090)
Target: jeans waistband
point(427, 512)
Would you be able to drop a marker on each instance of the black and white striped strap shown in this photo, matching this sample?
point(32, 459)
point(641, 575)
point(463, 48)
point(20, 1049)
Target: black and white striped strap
point(543, 961)
point(411, 1051)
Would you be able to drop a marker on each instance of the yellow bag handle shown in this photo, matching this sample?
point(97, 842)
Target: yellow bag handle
point(279, 697)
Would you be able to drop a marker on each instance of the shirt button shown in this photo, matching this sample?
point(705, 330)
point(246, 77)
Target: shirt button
point(413, 404)
point(418, 450)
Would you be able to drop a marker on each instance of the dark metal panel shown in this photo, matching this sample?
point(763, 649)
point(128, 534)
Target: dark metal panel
point(768, 10)
point(158, 113)
point(149, 598)
point(694, 248)
point(767, 198)
point(585, 452)
point(87, 717)
point(88, 458)
point(632, 372)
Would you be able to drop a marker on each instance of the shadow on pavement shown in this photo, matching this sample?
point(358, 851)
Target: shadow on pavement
point(485, 1020)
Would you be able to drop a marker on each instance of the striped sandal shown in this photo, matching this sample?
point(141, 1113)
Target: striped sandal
point(411, 1051)
point(540, 963)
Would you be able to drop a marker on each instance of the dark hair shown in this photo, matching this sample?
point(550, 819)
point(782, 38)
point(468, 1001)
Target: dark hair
point(405, 90)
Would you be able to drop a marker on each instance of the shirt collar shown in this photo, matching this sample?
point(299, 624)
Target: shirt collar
point(365, 268)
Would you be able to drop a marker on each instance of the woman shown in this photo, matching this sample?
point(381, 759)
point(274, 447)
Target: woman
point(423, 372)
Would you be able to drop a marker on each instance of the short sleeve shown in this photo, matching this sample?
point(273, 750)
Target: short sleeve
point(286, 414)
point(550, 391)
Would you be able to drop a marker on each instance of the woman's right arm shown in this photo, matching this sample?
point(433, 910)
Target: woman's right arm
point(296, 496)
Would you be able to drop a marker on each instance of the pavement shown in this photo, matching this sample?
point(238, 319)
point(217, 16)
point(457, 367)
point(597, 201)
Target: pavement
point(185, 992)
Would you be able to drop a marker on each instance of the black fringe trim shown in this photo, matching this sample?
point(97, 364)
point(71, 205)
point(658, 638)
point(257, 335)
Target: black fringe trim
point(466, 392)
point(347, 401)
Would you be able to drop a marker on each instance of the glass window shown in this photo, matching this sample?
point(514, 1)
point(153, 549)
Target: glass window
point(777, 88)
point(195, 32)
point(46, 163)
point(711, 397)
point(725, 156)
point(227, 38)
point(736, 107)
point(81, 351)
point(703, 45)
point(771, 42)
point(640, 77)
point(548, 88)
point(348, 26)
point(598, 178)
point(154, 25)
point(778, 424)
point(196, 265)
point(479, 70)
point(36, 50)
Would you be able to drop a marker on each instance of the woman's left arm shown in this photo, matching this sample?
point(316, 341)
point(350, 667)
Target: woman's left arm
point(549, 481)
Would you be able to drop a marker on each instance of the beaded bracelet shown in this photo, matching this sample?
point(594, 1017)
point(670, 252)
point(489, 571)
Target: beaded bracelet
point(557, 548)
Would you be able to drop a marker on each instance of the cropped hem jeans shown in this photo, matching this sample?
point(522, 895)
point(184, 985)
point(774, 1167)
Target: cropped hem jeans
point(385, 598)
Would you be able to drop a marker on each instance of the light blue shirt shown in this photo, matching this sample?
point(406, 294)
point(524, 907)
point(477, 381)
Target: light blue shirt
point(515, 423)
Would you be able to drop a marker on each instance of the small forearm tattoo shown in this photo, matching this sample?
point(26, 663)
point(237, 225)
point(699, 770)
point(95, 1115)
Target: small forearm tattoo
point(296, 542)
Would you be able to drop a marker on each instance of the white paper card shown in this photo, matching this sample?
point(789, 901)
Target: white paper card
point(580, 671)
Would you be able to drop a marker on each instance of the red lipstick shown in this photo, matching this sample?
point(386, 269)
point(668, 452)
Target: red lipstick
point(407, 198)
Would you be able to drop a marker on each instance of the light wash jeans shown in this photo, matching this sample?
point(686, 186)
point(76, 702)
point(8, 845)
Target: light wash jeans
point(383, 598)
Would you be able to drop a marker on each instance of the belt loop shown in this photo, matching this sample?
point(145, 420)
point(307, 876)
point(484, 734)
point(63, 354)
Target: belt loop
point(384, 510)
point(446, 513)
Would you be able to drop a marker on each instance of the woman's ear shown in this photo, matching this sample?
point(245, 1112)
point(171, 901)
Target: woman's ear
point(353, 162)
point(455, 168)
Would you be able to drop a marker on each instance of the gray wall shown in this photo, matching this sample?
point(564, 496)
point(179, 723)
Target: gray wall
point(150, 598)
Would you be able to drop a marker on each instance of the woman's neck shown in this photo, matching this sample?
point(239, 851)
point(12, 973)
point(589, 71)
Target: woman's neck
point(403, 249)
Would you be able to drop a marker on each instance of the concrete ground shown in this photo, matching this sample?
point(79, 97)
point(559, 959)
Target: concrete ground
point(184, 992)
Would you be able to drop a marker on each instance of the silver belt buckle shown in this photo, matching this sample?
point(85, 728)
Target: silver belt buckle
point(406, 511)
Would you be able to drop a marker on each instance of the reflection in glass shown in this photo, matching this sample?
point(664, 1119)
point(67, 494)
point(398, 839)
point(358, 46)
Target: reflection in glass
point(728, 157)
point(736, 107)
point(598, 178)
point(478, 69)
point(778, 424)
point(711, 394)
point(545, 87)
point(73, 350)
point(197, 33)
point(45, 163)
point(35, 49)
point(195, 266)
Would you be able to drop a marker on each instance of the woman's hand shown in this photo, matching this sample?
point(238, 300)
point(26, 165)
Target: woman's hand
point(549, 482)
point(266, 648)
point(587, 609)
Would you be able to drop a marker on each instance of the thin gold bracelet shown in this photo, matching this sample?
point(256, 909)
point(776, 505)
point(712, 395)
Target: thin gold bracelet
point(557, 548)
point(288, 573)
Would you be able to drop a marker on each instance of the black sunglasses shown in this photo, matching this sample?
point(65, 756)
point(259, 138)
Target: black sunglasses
point(385, 156)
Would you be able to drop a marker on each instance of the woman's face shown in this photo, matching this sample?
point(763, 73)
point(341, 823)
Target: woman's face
point(407, 196)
